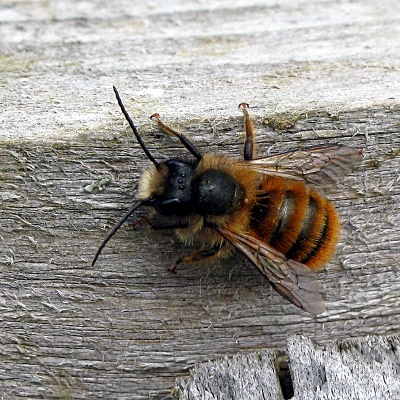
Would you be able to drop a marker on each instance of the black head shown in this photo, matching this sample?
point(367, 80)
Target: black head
point(177, 196)
point(215, 192)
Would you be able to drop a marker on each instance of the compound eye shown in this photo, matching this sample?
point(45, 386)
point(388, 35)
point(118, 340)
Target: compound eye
point(216, 193)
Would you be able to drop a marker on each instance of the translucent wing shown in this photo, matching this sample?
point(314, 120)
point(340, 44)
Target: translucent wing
point(293, 280)
point(321, 165)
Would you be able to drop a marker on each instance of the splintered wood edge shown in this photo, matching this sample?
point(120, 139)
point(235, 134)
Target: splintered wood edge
point(244, 376)
point(367, 368)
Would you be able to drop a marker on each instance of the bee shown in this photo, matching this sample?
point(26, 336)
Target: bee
point(263, 207)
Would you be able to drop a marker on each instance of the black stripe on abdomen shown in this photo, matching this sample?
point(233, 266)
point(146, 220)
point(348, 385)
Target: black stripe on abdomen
point(311, 236)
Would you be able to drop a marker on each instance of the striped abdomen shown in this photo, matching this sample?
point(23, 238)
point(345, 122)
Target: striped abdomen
point(296, 220)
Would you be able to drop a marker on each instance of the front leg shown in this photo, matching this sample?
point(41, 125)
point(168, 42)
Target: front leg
point(166, 225)
point(184, 140)
point(249, 133)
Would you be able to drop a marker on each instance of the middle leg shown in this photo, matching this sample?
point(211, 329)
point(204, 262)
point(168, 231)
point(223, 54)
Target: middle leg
point(249, 132)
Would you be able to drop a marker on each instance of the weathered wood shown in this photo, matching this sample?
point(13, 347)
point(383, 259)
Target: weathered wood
point(245, 376)
point(313, 73)
point(367, 368)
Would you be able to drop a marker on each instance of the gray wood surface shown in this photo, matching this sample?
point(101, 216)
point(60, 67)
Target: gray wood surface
point(245, 376)
point(366, 368)
point(313, 72)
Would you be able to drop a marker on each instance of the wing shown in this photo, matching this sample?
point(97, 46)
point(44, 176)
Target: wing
point(321, 165)
point(293, 280)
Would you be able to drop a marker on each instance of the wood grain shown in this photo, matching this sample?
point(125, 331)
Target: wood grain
point(245, 376)
point(365, 368)
point(313, 72)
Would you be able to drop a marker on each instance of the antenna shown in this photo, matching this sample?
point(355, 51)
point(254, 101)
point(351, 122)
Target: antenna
point(135, 131)
point(140, 203)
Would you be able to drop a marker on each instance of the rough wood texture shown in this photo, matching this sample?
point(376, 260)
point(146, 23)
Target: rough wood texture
point(245, 376)
point(313, 71)
point(367, 369)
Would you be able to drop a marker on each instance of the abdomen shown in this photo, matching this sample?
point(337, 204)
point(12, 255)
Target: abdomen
point(296, 220)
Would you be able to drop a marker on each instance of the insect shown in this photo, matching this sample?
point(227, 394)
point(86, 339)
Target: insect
point(262, 207)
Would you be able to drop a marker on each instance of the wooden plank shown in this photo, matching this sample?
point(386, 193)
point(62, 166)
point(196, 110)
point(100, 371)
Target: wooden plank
point(244, 376)
point(366, 368)
point(313, 73)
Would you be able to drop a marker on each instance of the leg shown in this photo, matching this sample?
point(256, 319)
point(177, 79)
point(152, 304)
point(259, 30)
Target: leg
point(184, 140)
point(161, 225)
point(249, 132)
point(201, 255)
